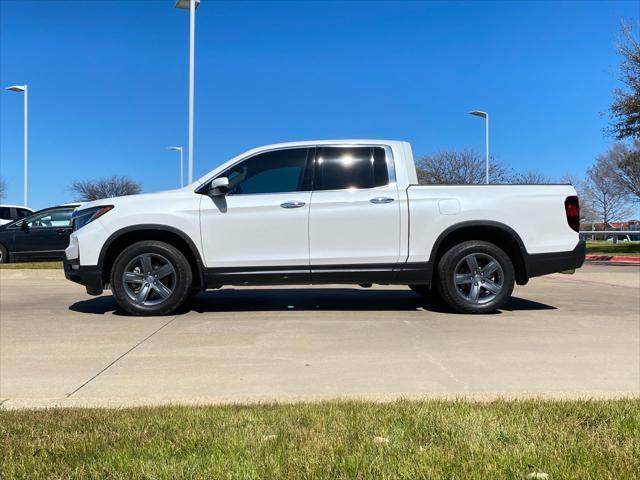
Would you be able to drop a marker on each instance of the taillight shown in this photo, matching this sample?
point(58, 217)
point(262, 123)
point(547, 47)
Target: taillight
point(572, 208)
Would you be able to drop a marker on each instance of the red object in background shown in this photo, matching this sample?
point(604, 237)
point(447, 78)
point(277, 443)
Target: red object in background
point(613, 259)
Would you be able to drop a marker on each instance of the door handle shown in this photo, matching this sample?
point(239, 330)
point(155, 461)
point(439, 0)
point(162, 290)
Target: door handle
point(60, 231)
point(292, 204)
point(381, 200)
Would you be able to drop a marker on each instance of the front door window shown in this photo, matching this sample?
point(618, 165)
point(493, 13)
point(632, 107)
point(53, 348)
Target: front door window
point(280, 171)
point(50, 219)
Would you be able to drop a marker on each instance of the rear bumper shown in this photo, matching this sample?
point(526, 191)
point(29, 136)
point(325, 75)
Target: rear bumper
point(89, 276)
point(545, 263)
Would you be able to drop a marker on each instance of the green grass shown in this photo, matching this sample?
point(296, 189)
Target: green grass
point(31, 265)
point(627, 249)
point(328, 440)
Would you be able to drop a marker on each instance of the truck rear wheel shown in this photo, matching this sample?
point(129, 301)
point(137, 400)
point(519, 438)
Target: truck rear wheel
point(475, 277)
point(151, 278)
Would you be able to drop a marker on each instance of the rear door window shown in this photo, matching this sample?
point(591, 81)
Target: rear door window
point(340, 168)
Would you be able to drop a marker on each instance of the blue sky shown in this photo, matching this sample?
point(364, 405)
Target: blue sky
point(108, 82)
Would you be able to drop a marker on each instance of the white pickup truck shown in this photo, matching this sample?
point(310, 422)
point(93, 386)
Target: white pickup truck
point(324, 212)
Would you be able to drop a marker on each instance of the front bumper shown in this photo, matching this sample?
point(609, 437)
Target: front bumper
point(545, 263)
point(89, 276)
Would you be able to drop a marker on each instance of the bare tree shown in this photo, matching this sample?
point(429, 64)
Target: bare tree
point(458, 167)
point(571, 179)
point(531, 177)
point(87, 190)
point(3, 188)
point(603, 193)
point(626, 105)
point(625, 164)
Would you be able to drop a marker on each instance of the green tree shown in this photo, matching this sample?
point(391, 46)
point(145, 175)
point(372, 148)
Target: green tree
point(626, 105)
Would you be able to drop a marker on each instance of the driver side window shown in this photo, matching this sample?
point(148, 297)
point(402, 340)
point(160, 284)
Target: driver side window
point(279, 171)
point(50, 219)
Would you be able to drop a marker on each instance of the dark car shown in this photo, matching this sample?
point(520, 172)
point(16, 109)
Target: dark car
point(41, 235)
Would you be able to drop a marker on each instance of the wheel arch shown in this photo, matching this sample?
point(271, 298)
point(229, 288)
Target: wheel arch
point(130, 235)
point(497, 233)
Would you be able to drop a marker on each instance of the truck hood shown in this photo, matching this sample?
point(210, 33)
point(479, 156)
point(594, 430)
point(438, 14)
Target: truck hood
point(133, 199)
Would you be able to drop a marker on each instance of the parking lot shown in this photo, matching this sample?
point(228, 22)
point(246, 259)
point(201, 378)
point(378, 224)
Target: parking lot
point(560, 336)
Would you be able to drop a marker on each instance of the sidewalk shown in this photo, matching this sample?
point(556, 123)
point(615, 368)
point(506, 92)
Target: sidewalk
point(557, 337)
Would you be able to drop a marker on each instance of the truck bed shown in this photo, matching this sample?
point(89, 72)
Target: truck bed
point(530, 210)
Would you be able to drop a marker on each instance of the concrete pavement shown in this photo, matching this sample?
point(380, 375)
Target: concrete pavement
point(560, 336)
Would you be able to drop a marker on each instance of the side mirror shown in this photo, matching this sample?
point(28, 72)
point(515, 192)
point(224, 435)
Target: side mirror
point(219, 187)
point(24, 226)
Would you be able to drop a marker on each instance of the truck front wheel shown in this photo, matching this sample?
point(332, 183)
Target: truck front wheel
point(428, 292)
point(475, 277)
point(151, 278)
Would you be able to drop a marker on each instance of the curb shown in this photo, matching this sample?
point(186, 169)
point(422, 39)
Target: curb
point(613, 259)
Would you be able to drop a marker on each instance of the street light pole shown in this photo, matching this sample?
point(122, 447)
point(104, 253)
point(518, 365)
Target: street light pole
point(484, 115)
point(179, 149)
point(25, 90)
point(486, 146)
point(191, 5)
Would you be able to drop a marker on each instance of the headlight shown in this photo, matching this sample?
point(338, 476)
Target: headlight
point(81, 217)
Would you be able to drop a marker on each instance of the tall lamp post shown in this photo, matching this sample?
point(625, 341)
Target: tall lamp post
point(179, 149)
point(24, 89)
point(190, 5)
point(484, 115)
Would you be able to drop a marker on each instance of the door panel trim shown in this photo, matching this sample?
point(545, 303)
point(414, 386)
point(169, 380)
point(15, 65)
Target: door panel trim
point(36, 254)
point(391, 273)
point(258, 275)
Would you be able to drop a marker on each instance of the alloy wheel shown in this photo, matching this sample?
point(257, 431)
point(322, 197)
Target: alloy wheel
point(478, 278)
point(149, 279)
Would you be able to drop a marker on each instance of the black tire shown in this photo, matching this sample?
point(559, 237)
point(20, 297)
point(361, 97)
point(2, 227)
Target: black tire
point(155, 295)
point(458, 261)
point(194, 292)
point(429, 292)
point(4, 255)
